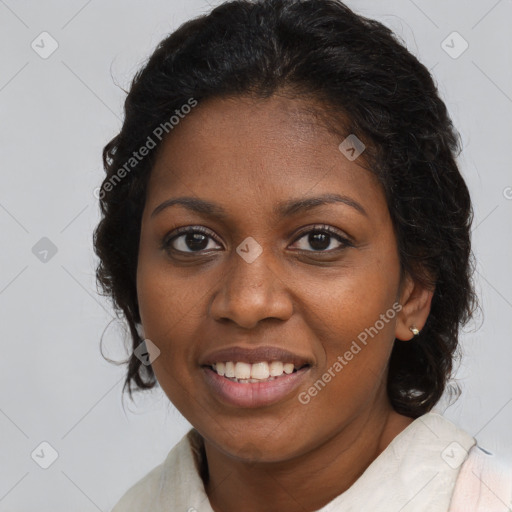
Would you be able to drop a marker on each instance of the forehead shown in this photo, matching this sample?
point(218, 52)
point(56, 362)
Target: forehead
point(258, 149)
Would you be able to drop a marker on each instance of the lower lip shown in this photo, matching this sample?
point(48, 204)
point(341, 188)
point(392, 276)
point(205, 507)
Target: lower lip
point(253, 394)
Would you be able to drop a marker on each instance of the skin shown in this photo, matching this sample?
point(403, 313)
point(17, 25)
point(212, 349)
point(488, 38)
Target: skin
point(247, 156)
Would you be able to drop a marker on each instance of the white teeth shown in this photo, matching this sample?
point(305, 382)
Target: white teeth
point(260, 371)
point(246, 372)
point(242, 370)
point(288, 368)
point(276, 368)
point(220, 368)
point(230, 369)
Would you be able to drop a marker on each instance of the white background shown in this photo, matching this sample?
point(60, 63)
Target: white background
point(56, 114)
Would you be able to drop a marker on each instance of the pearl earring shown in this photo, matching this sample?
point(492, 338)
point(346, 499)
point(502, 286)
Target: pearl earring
point(414, 330)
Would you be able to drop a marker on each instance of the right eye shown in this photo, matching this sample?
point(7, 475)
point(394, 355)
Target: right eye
point(190, 239)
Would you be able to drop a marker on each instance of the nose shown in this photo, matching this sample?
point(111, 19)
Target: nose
point(251, 292)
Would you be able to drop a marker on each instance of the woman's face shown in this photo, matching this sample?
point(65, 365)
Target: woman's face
point(263, 276)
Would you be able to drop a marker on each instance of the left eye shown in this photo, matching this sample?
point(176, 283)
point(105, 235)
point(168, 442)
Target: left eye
point(321, 238)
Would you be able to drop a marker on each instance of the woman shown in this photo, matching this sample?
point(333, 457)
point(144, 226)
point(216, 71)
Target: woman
point(287, 234)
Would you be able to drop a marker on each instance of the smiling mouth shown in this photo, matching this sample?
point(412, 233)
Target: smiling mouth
point(246, 373)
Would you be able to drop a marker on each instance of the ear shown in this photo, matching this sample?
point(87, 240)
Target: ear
point(415, 300)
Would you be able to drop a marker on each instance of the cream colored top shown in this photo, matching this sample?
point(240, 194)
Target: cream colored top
point(417, 471)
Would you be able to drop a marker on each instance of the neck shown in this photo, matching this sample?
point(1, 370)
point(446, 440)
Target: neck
point(307, 482)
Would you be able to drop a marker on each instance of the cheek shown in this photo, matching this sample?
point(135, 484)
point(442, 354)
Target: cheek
point(349, 304)
point(164, 309)
point(354, 316)
point(371, 300)
point(164, 299)
point(164, 316)
point(356, 349)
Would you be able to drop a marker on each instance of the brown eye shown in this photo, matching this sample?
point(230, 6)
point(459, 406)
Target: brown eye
point(189, 240)
point(323, 239)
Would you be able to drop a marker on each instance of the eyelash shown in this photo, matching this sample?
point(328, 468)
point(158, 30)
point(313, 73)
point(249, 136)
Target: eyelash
point(168, 239)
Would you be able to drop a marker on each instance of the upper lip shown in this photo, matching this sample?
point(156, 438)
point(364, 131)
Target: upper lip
point(254, 355)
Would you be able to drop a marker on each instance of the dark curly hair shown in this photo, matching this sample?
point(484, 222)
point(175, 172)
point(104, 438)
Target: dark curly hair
point(355, 67)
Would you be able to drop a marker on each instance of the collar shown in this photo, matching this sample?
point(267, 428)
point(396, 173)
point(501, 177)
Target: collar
point(416, 472)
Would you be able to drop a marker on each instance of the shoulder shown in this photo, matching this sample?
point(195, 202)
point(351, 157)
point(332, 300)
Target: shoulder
point(139, 495)
point(480, 481)
point(484, 483)
point(164, 484)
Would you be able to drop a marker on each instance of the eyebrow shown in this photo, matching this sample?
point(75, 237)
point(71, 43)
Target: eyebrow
point(283, 209)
